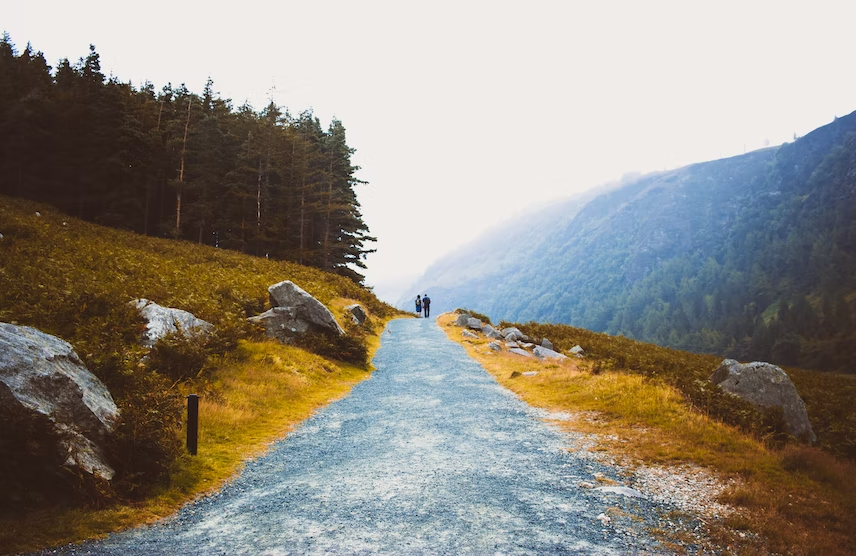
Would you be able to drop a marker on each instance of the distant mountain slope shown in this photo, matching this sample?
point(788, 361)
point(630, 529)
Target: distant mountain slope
point(752, 256)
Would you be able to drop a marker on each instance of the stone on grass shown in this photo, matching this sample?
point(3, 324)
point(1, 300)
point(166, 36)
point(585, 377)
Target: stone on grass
point(462, 319)
point(512, 334)
point(165, 320)
point(295, 313)
point(766, 385)
point(42, 375)
point(519, 351)
point(357, 312)
point(578, 351)
point(544, 353)
point(474, 323)
point(468, 334)
point(495, 346)
point(545, 343)
point(494, 335)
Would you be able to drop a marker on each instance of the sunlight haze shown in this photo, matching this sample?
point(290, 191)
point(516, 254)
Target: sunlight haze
point(463, 114)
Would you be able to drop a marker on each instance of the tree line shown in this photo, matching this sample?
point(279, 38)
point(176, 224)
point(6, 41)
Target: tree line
point(176, 164)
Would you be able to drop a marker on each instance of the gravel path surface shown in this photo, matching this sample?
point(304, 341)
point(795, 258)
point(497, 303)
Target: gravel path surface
point(428, 456)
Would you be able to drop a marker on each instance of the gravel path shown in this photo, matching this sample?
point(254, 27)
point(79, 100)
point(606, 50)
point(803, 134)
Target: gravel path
point(428, 456)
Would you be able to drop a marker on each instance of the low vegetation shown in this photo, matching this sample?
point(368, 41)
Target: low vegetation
point(789, 498)
point(74, 280)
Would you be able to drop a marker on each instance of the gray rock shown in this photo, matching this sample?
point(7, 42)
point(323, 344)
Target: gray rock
point(462, 319)
point(487, 328)
point(41, 374)
point(295, 313)
point(578, 351)
point(512, 334)
point(474, 323)
point(468, 334)
point(510, 345)
point(766, 385)
point(544, 353)
point(357, 312)
point(527, 345)
point(164, 320)
point(495, 346)
point(545, 343)
point(494, 335)
point(519, 351)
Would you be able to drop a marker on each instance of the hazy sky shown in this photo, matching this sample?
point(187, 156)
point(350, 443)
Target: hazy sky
point(464, 113)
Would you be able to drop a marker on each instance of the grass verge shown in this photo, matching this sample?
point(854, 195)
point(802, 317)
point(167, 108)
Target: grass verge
point(792, 500)
point(249, 399)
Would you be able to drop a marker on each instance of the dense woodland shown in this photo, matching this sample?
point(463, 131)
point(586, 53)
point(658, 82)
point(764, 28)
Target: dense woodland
point(172, 163)
point(752, 257)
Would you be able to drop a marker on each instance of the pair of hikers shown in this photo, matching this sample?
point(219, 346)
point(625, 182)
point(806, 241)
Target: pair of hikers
point(423, 303)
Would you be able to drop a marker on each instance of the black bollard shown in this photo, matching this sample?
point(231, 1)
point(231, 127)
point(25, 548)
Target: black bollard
point(192, 423)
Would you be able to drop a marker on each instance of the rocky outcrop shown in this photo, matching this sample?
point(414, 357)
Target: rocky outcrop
point(165, 320)
point(294, 313)
point(41, 375)
point(766, 385)
point(515, 340)
point(357, 312)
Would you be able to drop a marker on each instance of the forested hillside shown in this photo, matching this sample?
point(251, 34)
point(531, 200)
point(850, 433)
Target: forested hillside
point(753, 257)
point(172, 163)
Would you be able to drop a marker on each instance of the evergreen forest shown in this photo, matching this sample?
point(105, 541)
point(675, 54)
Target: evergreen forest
point(176, 164)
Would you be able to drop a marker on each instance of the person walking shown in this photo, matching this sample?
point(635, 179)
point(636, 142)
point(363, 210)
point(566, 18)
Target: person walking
point(426, 305)
point(418, 306)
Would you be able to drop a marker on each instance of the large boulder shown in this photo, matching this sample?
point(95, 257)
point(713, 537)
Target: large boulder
point(42, 376)
point(512, 334)
point(294, 313)
point(766, 385)
point(545, 343)
point(165, 320)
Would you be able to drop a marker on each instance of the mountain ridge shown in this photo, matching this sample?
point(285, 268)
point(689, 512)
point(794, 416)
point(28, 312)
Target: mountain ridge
point(702, 257)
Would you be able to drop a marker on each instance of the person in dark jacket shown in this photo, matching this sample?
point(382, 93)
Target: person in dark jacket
point(418, 306)
point(426, 305)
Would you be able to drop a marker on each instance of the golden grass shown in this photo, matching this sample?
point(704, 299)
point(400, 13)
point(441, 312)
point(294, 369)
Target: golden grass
point(251, 399)
point(798, 500)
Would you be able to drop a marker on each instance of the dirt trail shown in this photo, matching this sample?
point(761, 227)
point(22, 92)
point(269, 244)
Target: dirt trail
point(429, 456)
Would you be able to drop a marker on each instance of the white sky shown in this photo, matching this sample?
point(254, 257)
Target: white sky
point(463, 113)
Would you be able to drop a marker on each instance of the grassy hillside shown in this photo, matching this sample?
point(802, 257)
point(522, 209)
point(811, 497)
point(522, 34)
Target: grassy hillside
point(74, 280)
point(649, 406)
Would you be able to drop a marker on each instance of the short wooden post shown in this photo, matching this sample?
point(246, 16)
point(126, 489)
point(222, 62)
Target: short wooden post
point(192, 423)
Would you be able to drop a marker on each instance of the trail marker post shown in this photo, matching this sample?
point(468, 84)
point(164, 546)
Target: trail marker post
point(192, 423)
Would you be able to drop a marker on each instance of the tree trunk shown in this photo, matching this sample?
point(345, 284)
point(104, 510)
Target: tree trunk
point(181, 169)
